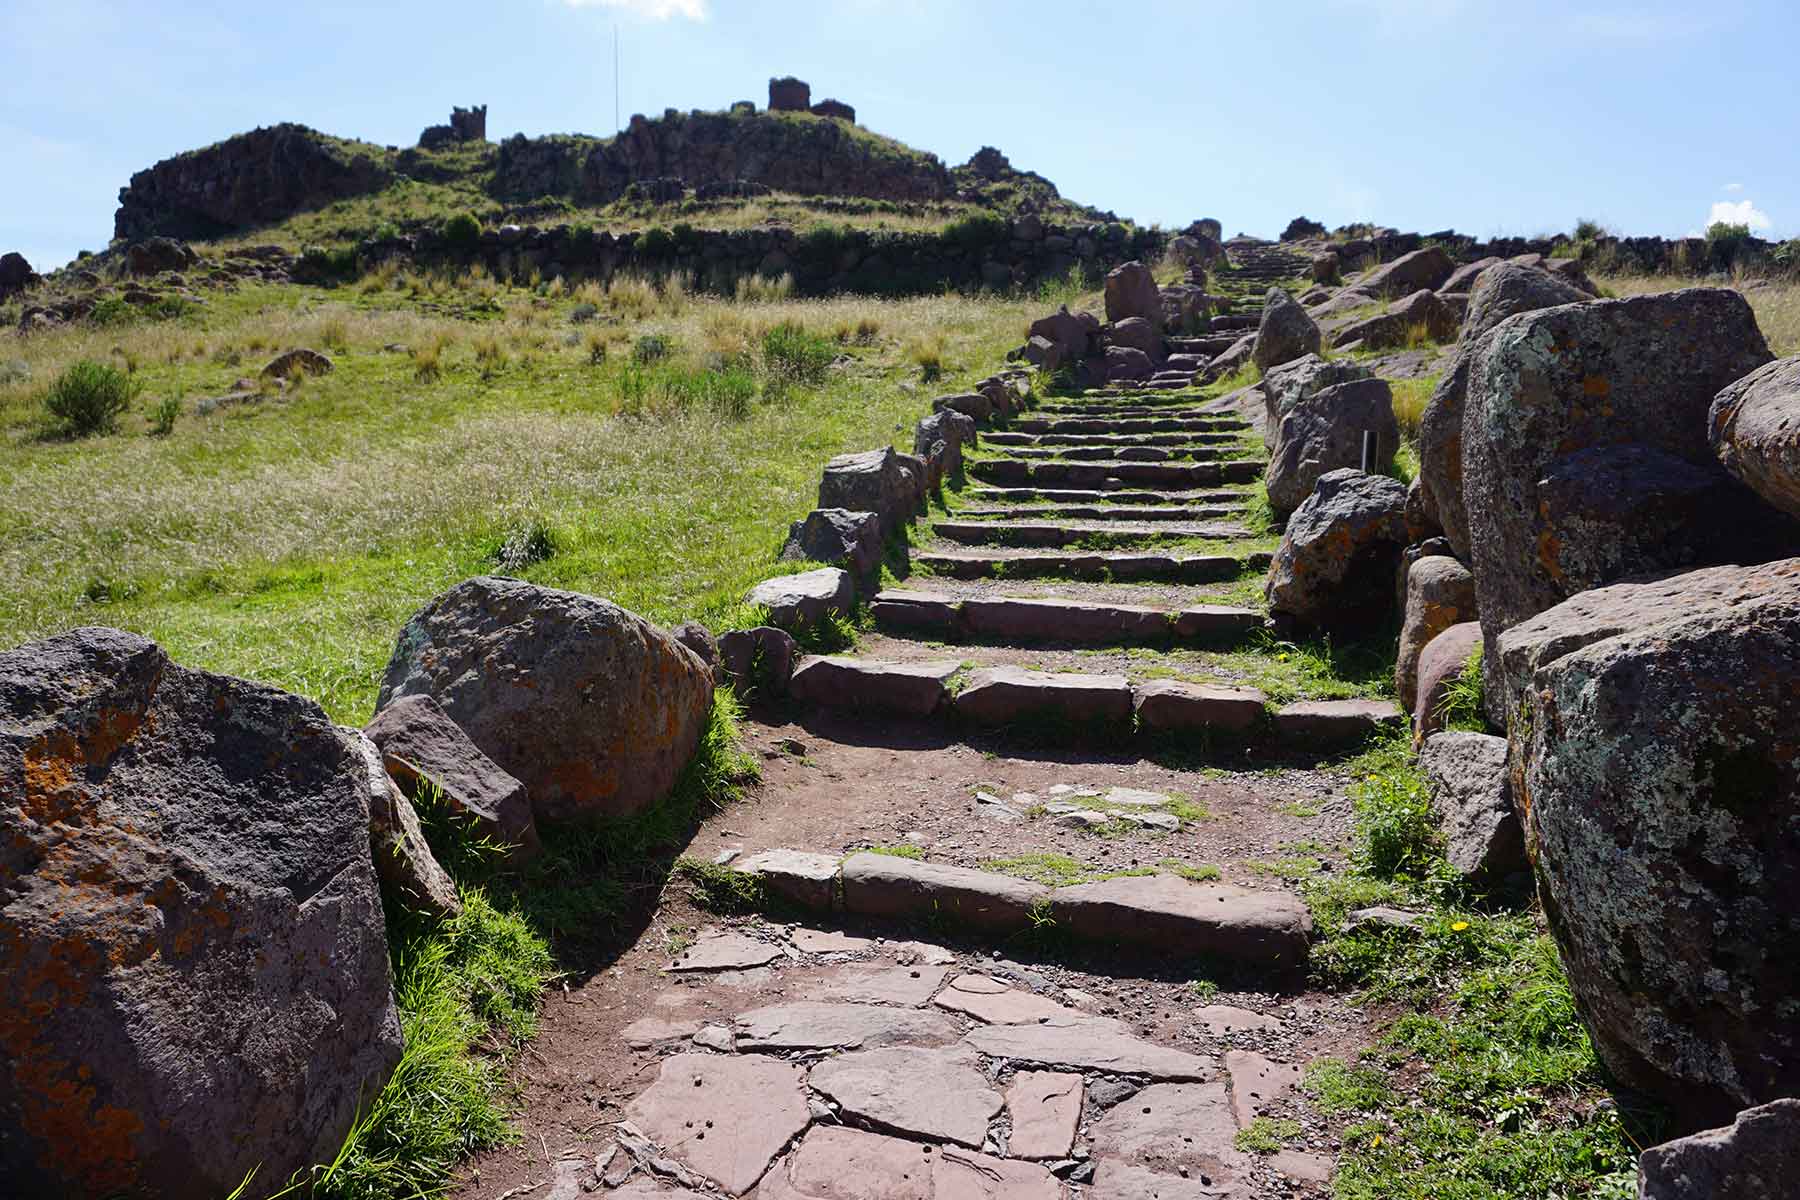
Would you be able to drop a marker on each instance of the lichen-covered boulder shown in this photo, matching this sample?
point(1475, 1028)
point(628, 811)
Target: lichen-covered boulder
point(1440, 592)
point(1544, 385)
point(874, 481)
point(1287, 385)
point(1501, 290)
point(1472, 796)
point(1285, 333)
point(1324, 433)
point(592, 707)
point(1137, 334)
point(192, 948)
point(1334, 570)
point(1131, 292)
point(1755, 429)
point(1756, 1157)
point(1422, 269)
point(1655, 756)
point(1420, 314)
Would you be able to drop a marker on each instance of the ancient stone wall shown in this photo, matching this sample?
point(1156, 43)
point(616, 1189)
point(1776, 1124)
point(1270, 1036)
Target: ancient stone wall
point(788, 94)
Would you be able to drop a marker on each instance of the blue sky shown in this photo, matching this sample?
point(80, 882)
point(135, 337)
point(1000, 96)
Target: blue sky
point(1489, 116)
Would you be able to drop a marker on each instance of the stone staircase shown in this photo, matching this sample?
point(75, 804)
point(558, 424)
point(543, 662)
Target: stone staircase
point(1255, 262)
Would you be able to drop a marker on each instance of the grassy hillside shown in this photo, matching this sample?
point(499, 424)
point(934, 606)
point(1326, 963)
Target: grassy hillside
point(653, 453)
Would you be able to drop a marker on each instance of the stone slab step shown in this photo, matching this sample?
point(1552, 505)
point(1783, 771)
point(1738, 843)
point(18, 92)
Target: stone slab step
point(1164, 913)
point(1163, 568)
point(1120, 451)
point(1009, 695)
point(1327, 723)
point(873, 685)
point(1008, 618)
point(1116, 425)
point(1114, 474)
point(1009, 438)
point(1104, 512)
point(988, 494)
point(1020, 533)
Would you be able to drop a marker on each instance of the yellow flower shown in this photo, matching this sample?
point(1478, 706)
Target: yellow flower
point(1377, 1140)
point(1459, 926)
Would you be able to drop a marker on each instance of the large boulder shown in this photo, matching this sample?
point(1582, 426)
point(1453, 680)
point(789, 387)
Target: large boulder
point(593, 708)
point(1126, 365)
point(1131, 292)
point(15, 274)
point(1502, 290)
point(1421, 314)
point(1440, 592)
point(1064, 330)
point(1334, 570)
point(1548, 384)
point(1756, 1157)
point(1285, 333)
point(954, 429)
point(802, 600)
point(851, 540)
point(422, 748)
point(1324, 433)
point(1287, 385)
point(1137, 334)
point(1422, 269)
point(152, 256)
point(1441, 665)
point(1471, 793)
point(1755, 429)
point(1462, 281)
point(195, 964)
point(1655, 756)
point(876, 481)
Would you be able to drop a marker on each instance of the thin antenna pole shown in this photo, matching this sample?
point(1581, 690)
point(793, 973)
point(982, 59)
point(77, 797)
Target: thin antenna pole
point(617, 124)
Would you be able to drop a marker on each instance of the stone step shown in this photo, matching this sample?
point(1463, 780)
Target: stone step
point(1010, 619)
point(990, 533)
point(1122, 425)
point(995, 495)
point(872, 685)
point(1114, 475)
point(1242, 323)
point(1176, 439)
point(1091, 565)
point(1102, 512)
point(1124, 451)
point(1210, 346)
point(1223, 422)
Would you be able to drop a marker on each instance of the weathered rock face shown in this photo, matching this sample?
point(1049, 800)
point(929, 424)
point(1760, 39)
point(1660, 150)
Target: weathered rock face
point(1472, 796)
point(1287, 385)
point(873, 481)
point(15, 274)
point(1658, 769)
point(1547, 384)
point(1422, 269)
point(1464, 278)
point(1420, 313)
point(1137, 334)
point(1335, 566)
point(1285, 333)
point(255, 178)
point(1442, 662)
point(839, 537)
point(1755, 430)
point(593, 708)
point(196, 965)
point(421, 747)
point(1131, 292)
point(759, 661)
point(1324, 433)
point(1756, 1157)
point(1508, 290)
point(410, 874)
point(1440, 592)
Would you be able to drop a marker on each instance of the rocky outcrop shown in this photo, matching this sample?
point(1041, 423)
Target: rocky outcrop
point(466, 125)
point(1420, 315)
point(1502, 290)
point(1755, 430)
point(1547, 385)
point(1324, 433)
point(1285, 332)
point(1421, 270)
point(839, 537)
point(15, 275)
point(1756, 1157)
point(195, 965)
point(1440, 592)
point(1131, 292)
point(255, 178)
point(1655, 756)
point(873, 481)
point(593, 708)
point(1335, 567)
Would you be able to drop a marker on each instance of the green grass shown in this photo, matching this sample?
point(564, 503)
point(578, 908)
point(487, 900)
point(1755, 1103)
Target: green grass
point(904, 850)
point(1463, 704)
point(1485, 1085)
point(1266, 1135)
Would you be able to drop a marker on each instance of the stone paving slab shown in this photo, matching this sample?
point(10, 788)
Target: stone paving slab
point(1003, 695)
point(1182, 1133)
point(905, 689)
point(815, 1025)
point(1084, 1043)
point(1173, 705)
point(938, 1095)
point(995, 1003)
point(1138, 514)
point(1218, 1019)
point(1068, 533)
point(883, 885)
point(1063, 620)
point(725, 1117)
point(907, 987)
point(725, 951)
point(798, 876)
point(1257, 1082)
point(1336, 722)
point(835, 1163)
point(1168, 568)
point(1045, 1109)
point(994, 495)
point(1268, 928)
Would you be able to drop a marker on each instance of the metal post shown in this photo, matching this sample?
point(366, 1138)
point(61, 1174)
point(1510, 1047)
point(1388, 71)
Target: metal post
point(1369, 443)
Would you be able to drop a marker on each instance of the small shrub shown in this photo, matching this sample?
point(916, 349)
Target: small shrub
point(463, 231)
point(162, 417)
point(14, 370)
point(927, 352)
point(656, 243)
point(596, 349)
point(584, 312)
point(792, 354)
point(975, 232)
point(652, 347)
point(524, 544)
point(110, 310)
point(89, 398)
point(1724, 241)
point(1588, 230)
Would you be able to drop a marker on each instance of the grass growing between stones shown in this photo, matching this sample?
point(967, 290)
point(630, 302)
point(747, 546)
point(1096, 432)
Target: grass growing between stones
point(1485, 1085)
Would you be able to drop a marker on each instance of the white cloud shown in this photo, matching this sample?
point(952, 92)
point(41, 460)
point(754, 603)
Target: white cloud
point(1734, 187)
point(655, 10)
point(1742, 212)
